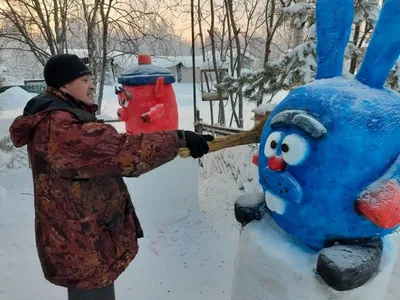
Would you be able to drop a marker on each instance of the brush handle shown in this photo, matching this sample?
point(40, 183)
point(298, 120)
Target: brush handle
point(238, 139)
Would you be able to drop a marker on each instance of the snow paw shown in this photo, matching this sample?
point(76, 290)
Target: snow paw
point(249, 207)
point(346, 267)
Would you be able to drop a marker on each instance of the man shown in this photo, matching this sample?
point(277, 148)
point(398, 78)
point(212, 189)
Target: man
point(86, 226)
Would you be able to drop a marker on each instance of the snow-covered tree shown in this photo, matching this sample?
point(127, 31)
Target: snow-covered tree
point(298, 67)
point(394, 77)
point(293, 69)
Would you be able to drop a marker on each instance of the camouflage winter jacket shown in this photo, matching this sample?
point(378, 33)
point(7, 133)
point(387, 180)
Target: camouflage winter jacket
point(86, 226)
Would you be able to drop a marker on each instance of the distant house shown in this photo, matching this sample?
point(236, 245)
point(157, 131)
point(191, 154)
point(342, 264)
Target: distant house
point(248, 60)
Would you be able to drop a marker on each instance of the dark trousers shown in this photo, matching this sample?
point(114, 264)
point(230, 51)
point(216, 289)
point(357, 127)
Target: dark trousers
point(106, 293)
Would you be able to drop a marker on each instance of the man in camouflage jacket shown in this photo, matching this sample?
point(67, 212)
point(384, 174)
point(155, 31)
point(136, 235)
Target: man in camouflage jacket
point(86, 226)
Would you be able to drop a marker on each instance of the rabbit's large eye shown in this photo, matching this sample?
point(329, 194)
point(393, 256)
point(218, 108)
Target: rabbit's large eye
point(272, 143)
point(295, 149)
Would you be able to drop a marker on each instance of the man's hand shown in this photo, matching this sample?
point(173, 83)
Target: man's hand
point(197, 143)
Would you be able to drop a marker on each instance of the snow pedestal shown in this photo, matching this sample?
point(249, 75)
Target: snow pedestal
point(166, 195)
point(271, 266)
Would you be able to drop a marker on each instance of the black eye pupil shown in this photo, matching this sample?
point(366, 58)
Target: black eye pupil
point(285, 148)
point(273, 144)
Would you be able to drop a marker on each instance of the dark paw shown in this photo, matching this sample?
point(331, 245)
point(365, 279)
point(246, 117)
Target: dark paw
point(250, 207)
point(346, 267)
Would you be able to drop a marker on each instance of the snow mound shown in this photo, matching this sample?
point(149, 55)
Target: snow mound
point(14, 98)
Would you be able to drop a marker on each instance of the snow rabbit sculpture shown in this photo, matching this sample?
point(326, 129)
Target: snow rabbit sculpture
point(329, 156)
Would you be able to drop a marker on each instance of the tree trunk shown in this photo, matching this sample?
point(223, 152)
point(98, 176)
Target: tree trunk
point(105, 20)
point(298, 33)
point(221, 117)
point(353, 62)
point(91, 18)
point(232, 66)
point(203, 50)
point(236, 32)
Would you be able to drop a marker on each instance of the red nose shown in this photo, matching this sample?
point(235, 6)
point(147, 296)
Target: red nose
point(276, 163)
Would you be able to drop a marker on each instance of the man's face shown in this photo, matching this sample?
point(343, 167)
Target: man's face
point(81, 89)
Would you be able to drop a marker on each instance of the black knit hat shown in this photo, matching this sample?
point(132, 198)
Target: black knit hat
point(61, 69)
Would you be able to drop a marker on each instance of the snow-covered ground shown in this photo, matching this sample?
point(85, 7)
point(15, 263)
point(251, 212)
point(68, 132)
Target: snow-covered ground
point(185, 257)
point(189, 255)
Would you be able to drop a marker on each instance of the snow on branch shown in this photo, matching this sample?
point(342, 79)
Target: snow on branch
point(367, 10)
point(300, 13)
point(296, 68)
point(393, 80)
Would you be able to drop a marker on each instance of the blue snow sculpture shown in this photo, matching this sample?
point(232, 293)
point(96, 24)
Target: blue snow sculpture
point(328, 141)
point(329, 157)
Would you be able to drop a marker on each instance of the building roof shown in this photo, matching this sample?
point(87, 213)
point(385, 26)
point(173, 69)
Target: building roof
point(129, 60)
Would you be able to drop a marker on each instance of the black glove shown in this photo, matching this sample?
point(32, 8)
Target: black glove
point(197, 143)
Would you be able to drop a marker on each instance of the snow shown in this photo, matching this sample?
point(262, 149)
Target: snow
point(262, 109)
point(312, 31)
point(8, 76)
point(300, 12)
point(270, 265)
point(191, 235)
point(14, 98)
point(251, 200)
point(296, 8)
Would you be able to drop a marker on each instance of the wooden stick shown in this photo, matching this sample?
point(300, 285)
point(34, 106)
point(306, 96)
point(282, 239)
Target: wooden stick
point(242, 138)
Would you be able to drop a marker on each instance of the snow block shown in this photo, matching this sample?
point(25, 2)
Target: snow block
point(272, 265)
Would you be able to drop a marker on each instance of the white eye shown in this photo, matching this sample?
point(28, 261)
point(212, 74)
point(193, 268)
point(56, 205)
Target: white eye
point(294, 149)
point(124, 103)
point(271, 145)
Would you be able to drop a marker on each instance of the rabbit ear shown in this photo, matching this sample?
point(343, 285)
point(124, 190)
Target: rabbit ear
point(333, 22)
point(384, 48)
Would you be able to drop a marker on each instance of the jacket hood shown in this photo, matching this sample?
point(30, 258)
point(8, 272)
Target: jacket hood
point(21, 130)
point(39, 107)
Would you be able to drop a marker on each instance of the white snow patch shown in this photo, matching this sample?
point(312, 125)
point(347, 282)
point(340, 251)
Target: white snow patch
point(263, 108)
point(312, 31)
point(298, 7)
point(8, 76)
point(269, 265)
point(14, 98)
